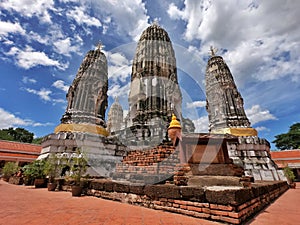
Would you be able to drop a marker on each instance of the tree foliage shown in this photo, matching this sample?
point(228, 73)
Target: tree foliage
point(37, 141)
point(17, 134)
point(289, 140)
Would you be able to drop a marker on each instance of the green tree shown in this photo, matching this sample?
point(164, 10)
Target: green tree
point(17, 134)
point(5, 136)
point(289, 140)
point(38, 140)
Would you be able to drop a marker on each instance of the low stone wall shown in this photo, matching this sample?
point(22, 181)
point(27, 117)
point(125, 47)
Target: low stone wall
point(231, 205)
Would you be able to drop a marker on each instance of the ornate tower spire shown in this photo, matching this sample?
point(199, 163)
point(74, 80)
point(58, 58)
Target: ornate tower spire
point(87, 96)
point(115, 117)
point(154, 91)
point(225, 104)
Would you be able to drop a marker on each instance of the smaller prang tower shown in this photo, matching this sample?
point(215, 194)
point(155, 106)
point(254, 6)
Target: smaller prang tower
point(87, 97)
point(225, 105)
point(83, 124)
point(115, 117)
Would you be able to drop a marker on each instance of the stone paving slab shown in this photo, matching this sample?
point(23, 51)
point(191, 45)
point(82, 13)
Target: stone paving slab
point(284, 211)
point(27, 205)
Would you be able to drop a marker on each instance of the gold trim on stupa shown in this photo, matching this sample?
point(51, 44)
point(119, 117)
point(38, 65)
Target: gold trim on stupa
point(237, 131)
point(84, 128)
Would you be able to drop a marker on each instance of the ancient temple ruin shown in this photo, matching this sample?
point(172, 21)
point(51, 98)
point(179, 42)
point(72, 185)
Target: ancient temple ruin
point(149, 160)
point(83, 124)
point(115, 117)
point(87, 96)
point(154, 90)
point(225, 107)
point(154, 96)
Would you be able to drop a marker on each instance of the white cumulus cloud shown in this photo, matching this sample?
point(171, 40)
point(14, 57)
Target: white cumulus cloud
point(262, 37)
point(201, 124)
point(43, 93)
point(27, 80)
point(196, 104)
point(8, 27)
point(65, 47)
point(29, 58)
point(119, 66)
point(8, 119)
point(256, 114)
point(30, 8)
point(60, 84)
point(81, 17)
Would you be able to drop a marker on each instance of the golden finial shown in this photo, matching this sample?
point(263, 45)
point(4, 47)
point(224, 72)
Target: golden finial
point(174, 123)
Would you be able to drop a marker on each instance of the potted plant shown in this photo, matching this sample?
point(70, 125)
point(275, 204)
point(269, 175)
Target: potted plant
point(288, 172)
point(78, 167)
point(9, 169)
point(36, 171)
point(52, 169)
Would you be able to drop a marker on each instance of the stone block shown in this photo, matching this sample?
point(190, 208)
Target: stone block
point(201, 181)
point(228, 197)
point(192, 193)
point(119, 187)
point(256, 175)
point(108, 186)
point(162, 191)
point(267, 175)
point(97, 185)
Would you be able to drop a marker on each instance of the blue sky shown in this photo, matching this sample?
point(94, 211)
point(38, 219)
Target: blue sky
point(42, 44)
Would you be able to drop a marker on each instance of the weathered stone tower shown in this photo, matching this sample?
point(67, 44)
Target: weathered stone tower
point(226, 115)
point(83, 123)
point(225, 104)
point(154, 91)
point(115, 117)
point(87, 96)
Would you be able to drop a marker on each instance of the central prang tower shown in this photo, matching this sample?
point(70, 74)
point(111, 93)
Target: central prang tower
point(154, 91)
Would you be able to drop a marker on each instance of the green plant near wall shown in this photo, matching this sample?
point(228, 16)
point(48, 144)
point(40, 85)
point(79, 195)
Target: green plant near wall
point(78, 166)
point(52, 167)
point(288, 172)
point(9, 169)
point(35, 170)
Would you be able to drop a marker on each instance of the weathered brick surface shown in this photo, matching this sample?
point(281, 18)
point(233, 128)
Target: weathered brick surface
point(162, 191)
point(118, 187)
point(225, 197)
point(231, 206)
point(193, 194)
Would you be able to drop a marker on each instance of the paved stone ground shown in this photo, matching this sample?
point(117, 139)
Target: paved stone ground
point(284, 211)
point(27, 205)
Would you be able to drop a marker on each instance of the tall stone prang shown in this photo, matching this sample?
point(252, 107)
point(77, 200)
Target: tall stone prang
point(154, 91)
point(83, 123)
point(226, 115)
point(225, 105)
point(87, 96)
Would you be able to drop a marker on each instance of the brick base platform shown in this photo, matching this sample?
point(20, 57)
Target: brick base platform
point(226, 204)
